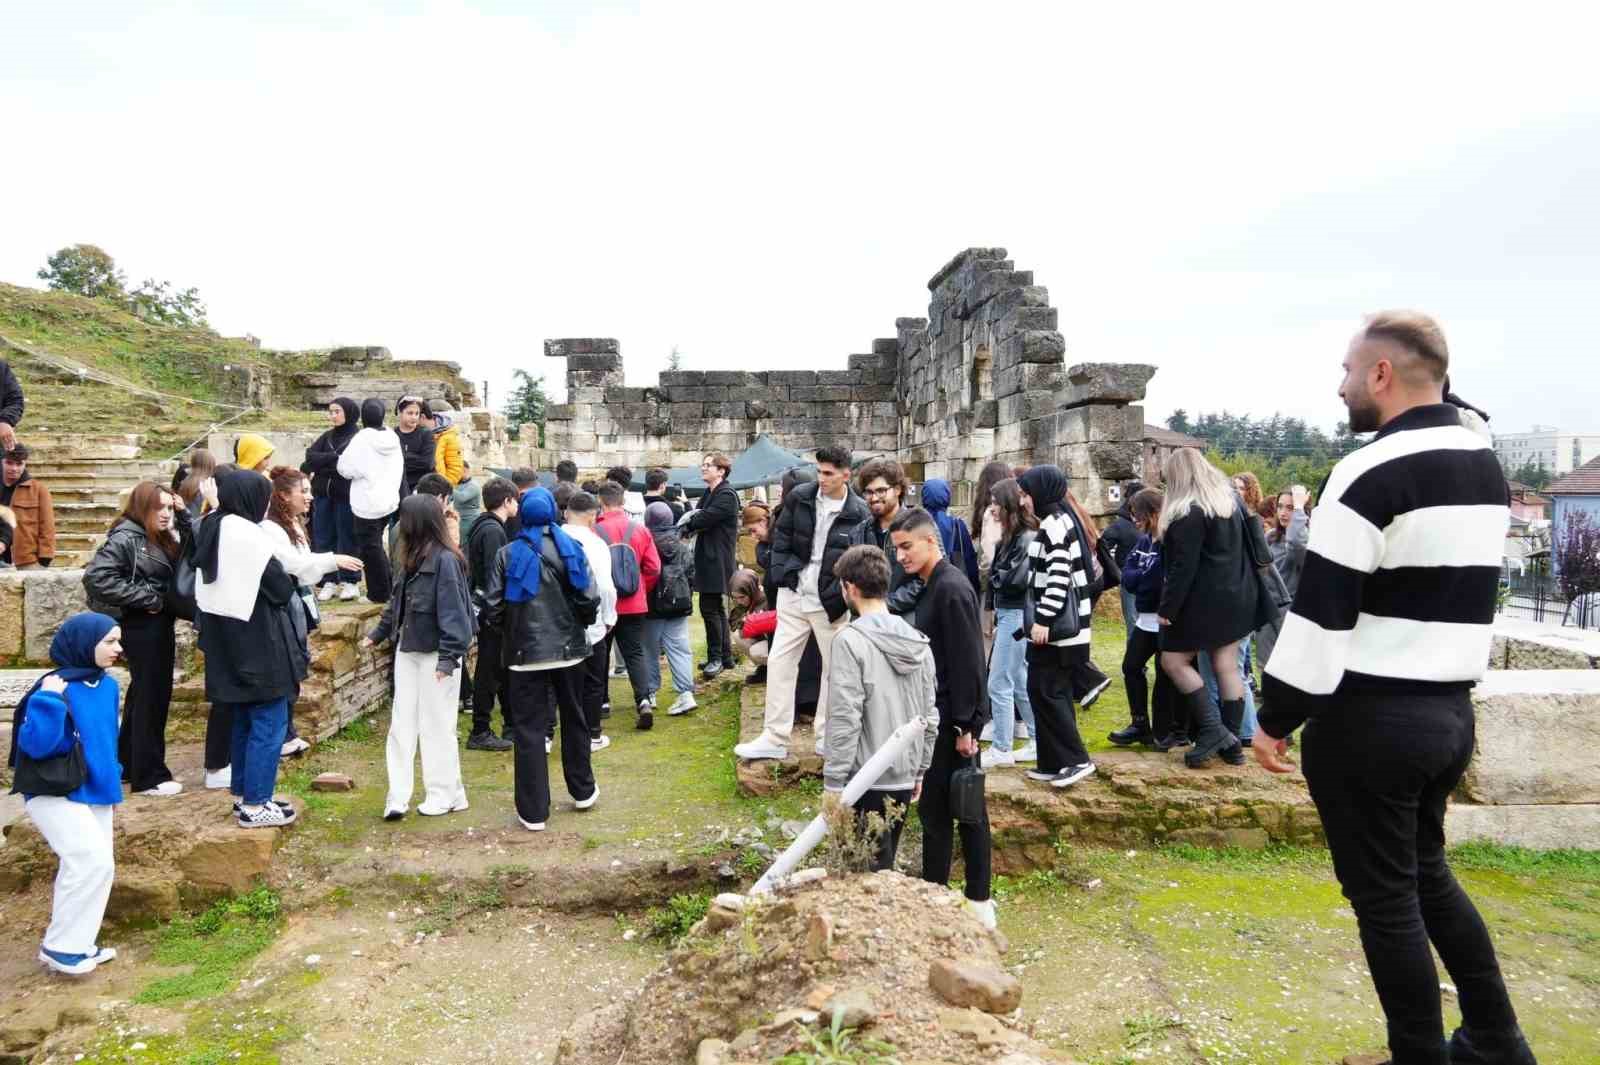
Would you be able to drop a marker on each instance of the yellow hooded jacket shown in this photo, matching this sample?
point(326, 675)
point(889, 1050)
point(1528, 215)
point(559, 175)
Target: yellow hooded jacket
point(251, 449)
point(447, 453)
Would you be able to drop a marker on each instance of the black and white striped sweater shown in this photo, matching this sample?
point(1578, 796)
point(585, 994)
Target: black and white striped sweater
point(1398, 590)
point(1055, 557)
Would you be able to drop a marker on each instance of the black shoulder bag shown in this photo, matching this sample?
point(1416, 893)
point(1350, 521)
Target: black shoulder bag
point(967, 803)
point(58, 776)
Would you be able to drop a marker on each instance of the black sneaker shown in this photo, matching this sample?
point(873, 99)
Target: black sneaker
point(238, 805)
point(269, 816)
point(1134, 733)
point(646, 719)
point(1094, 693)
point(1171, 741)
point(487, 741)
point(757, 677)
point(605, 709)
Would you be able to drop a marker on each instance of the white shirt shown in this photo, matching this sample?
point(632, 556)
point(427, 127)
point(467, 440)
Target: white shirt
point(598, 554)
point(827, 513)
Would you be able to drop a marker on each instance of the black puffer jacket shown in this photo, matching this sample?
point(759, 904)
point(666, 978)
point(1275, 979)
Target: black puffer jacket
point(432, 611)
point(1009, 574)
point(550, 627)
point(903, 590)
point(795, 531)
point(129, 573)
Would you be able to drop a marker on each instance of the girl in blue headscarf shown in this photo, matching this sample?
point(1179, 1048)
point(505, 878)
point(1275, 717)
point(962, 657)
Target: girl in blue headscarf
point(75, 703)
point(952, 530)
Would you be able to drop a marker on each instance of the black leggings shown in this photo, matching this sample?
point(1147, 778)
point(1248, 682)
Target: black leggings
point(1162, 711)
point(373, 552)
point(715, 614)
point(147, 647)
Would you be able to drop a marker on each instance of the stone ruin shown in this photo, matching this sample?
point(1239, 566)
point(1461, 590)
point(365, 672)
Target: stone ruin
point(984, 376)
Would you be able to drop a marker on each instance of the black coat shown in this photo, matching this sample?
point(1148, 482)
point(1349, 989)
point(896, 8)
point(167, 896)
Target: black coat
point(10, 396)
point(947, 614)
point(716, 528)
point(1211, 592)
point(1121, 536)
point(903, 589)
point(128, 574)
point(795, 532)
point(431, 611)
point(484, 541)
point(417, 449)
point(550, 627)
point(259, 660)
point(321, 463)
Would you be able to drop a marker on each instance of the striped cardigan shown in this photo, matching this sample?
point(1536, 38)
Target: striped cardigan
point(1398, 591)
point(1055, 557)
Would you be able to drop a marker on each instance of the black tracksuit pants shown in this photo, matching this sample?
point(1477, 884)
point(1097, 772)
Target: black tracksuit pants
point(1158, 709)
point(528, 698)
point(488, 682)
point(714, 612)
point(373, 551)
point(1380, 768)
point(596, 685)
point(938, 823)
point(147, 647)
point(1050, 692)
point(628, 637)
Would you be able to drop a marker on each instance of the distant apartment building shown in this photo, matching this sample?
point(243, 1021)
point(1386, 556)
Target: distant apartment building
point(1544, 445)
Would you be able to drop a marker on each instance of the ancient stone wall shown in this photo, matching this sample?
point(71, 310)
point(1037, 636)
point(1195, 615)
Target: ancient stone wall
point(485, 444)
point(983, 376)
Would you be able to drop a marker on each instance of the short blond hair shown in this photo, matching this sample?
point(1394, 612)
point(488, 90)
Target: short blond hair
point(1418, 333)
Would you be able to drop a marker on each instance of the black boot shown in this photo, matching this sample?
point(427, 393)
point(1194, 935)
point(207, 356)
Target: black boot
point(1171, 740)
point(1138, 731)
point(1232, 719)
point(1210, 737)
point(1477, 1047)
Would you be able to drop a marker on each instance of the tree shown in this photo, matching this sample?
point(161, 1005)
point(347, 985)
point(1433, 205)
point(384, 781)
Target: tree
point(86, 270)
point(674, 359)
point(1577, 554)
point(154, 301)
point(1533, 474)
point(527, 403)
point(1179, 422)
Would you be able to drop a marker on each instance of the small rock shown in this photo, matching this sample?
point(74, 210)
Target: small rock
point(712, 1052)
point(726, 871)
point(791, 829)
point(730, 900)
point(629, 935)
point(332, 782)
point(1093, 884)
point(790, 1016)
point(745, 1040)
point(313, 959)
point(819, 936)
point(851, 1008)
point(136, 1046)
point(975, 1025)
point(719, 917)
point(819, 996)
point(966, 984)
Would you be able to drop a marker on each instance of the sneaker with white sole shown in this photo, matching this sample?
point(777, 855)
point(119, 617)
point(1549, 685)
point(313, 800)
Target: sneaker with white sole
point(348, 592)
point(238, 804)
point(984, 911)
point(102, 955)
point(987, 735)
point(269, 816)
point(293, 747)
point(71, 964)
point(1022, 731)
point(393, 814)
point(166, 789)
point(758, 749)
point(584, 804)
point(682, 705)
point(1026, 753)
point(1072, 774)
point(995, 758)
point(549, 745)
point(326, 593)
point(599, 744)
point(428, 809)
point(1040, 775)
point(531, 826)
point(1094, 693)
point(221, 780)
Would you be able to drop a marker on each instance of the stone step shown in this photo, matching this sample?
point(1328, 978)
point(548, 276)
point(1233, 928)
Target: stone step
point(107, 481)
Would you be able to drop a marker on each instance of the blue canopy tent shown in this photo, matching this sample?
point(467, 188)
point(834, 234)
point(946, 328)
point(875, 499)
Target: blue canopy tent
point(763, 462)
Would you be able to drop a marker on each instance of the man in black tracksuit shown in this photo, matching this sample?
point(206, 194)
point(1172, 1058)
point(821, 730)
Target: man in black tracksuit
point(947, 614)
point(484, 541)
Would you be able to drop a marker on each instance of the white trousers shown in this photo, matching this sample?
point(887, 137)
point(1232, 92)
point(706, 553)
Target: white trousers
point(795, 627)
point(424, 709)
point(80, 835)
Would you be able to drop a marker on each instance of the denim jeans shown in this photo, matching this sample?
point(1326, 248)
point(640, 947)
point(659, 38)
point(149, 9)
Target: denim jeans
point(1208, 674)
point(671, 635)
point(1008, 679)
point(1130, 611)
point(333, 528)
point(258, 730)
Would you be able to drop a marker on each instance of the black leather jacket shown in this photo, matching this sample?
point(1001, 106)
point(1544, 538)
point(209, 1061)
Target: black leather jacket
point(1009, 573)
point(127, 573)
point(904, 591)
point(431, 611)
point(551, 626)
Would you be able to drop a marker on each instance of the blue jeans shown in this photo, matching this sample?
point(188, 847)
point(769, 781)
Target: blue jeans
point(673, 635)
point(258, 730)
point(1130, 611)
point(1008, 679)
point(1203, 663)
point(333, 528)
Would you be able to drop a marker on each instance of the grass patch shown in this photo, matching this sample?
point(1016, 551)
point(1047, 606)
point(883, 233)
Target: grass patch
point(1520, 861)
point(681, 913)
point(214, 945)
point(443, 909)
point(1277, 854)
point(837, 1045)
point(215, 1037)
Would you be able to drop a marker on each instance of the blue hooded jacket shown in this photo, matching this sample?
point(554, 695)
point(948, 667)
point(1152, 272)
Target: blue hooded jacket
point(952, 530)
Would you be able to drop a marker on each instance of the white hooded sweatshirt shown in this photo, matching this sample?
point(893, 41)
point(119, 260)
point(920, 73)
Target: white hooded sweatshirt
point(374, 466)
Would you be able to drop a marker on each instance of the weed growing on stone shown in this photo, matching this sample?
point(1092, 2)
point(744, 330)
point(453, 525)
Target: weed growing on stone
point(681, 913)
point(445, 908)
point(1495, 857)
point(214, 1037)
point(841, 1046)
point(1278, 854)
point(215, 945)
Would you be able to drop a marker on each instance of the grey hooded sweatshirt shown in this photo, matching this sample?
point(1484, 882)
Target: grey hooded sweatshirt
point(880, 676)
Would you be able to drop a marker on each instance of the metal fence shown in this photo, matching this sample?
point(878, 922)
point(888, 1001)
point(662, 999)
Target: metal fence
point(1532, 594)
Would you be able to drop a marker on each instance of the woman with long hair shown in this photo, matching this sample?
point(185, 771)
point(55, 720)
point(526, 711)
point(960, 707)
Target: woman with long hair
point(332, 521)
point(197, 487)
point(130, 578)
point(252, 631)
point(285, 523)
point(1288, 521)
point(1007, 598)
point(1210, 601)
point(1089, 682)
point(985, 525)
point(431, 618)
point(1248, 485)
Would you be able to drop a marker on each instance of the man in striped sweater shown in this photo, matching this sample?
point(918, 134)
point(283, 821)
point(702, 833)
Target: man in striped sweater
point(1389, 631)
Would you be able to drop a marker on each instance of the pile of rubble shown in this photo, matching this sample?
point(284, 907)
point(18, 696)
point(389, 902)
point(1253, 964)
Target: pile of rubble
point(880, 961)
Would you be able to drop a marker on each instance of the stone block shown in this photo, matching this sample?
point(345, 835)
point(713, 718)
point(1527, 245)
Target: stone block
point(565, 346)
point(1106, 382)
point(1023, 406)
point(1083, 424)
point(1518, 713)
point(737, 378)
point(49, 598)
point(1536, 645)
point(822, 393)
point(624, 394)
point(691, 394)
point(1115, 460)
point(11, 626)
point(881, 393)
point(792, 377)
point(964, 983)
point(1032, 346)
point(594, 363)
point(891, 345)
point(1027, 377)
point(1539, 827)
point(838, 377)
point(682, 378)
point(1024, 319)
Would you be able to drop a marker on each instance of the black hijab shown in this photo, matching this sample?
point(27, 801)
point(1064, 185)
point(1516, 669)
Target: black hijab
point(1047, 486)
point(372, 414)
point(340, 435)
point(243, 493)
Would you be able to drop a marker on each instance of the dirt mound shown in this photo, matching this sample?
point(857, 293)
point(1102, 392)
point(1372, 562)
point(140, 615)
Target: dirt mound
point(900, 961)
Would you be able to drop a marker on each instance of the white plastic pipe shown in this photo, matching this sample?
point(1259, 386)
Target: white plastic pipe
point(864, 778)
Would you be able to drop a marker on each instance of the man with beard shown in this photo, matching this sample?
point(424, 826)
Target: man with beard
point(882, 483)
point(1389, 631)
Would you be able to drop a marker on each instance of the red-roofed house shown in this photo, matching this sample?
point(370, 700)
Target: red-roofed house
point(1526, 503)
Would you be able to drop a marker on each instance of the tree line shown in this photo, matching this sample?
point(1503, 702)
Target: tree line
point(89, 270)
point(1278, 449)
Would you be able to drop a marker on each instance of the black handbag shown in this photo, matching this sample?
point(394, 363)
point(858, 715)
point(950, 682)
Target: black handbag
point(58, 776)
point(1272, 594)
point(180, 593)
point(967, 803)
point(1066, 625)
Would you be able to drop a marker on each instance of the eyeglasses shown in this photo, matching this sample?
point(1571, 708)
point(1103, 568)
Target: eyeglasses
point(878, 491)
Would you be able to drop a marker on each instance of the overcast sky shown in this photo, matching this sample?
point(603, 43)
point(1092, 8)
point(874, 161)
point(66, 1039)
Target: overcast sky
point(1219, 190)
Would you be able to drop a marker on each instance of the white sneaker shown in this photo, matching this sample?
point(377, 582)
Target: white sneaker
point(432, 810)
point(77, 968)
point(821, 748)
point(102, 955)
point(549, 745)
point(348, 592)
point(168, 788)
point(987, 735)
point(325, 593)
point(270, 815)
point(760, 748)
point(682, 705)
point(1072, 774)
point(221, 780)
point(994, 758)
point(984, 911)
point(1094, 693)
point(600, 744)
point(531, 826)
point(293, 747)
point(584, 804)
point(1022, 730)
point(1027, 753)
